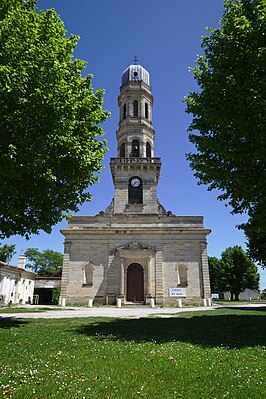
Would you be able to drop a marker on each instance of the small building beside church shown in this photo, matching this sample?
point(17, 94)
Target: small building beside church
point(135, 250)
point(16, 283)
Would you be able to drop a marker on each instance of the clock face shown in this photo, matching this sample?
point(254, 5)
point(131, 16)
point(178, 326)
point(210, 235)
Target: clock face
point(135, 182)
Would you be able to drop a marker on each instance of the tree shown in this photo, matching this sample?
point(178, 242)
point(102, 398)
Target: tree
point(229, 115)
point(214, 269)
point(7, 252)
point(237, 272)
point(45, 263)
point(49, 115)
point(263, 294)
point(255, 232)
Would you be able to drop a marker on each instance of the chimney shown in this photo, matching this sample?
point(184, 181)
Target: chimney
point(22, 261)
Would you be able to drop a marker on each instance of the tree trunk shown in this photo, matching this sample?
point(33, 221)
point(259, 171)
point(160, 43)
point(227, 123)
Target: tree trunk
point(232, 296)
point(237, 297)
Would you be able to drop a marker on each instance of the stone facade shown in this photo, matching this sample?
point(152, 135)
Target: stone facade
point(135, 250)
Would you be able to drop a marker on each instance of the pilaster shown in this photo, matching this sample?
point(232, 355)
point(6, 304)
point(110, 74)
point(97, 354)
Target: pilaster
point(111, 293)
point(65, 271)
point(159, 288)
point(205, 277)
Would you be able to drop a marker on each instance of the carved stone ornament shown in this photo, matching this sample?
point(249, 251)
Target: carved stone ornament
point(135, 246)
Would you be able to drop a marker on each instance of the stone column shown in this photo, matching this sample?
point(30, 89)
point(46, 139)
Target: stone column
point(128, 149)
point(122, 278)
point(142, 149)
point(149, 282)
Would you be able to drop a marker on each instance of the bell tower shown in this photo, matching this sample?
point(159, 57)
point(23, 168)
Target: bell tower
point(135, 171)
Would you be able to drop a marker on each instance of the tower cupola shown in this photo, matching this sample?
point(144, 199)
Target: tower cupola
point(135, 73)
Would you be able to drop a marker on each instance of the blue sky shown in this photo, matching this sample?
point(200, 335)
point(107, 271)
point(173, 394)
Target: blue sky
point(165, 36)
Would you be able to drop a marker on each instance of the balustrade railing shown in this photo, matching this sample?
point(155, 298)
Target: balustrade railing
point(136, 160)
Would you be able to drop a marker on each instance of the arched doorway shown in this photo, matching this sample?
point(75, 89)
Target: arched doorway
point(135, 283)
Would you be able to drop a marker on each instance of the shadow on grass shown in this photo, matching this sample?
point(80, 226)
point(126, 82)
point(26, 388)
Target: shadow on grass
point(10, 322)
point(248, 308)
point(230, 331)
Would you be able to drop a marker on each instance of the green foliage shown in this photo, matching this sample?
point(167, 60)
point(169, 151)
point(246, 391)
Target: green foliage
point(56, 295)
point(188, 357)
point(263, 294)
point(7, 252)
point(214, 269)
point(234, 272)
point(229, 115)
point(45, 263)
point(255, 232)
point(49, 116)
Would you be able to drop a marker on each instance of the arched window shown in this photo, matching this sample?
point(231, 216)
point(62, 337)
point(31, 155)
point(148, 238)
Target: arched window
point(122, 151)
point(135, 190)
point(148, 150)
point(135, 108)
point(182, 275)
point(146, 111)
point(88, 275)
point(135, 149)
point(124, 111)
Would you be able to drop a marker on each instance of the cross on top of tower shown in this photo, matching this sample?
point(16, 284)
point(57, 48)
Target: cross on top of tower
point(135, 60)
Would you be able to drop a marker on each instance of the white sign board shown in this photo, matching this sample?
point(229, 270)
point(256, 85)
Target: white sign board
point(178, 292)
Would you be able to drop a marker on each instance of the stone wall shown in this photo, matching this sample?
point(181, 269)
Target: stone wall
point(157, 244)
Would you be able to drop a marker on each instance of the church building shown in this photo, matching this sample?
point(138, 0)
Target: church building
point(135, 250)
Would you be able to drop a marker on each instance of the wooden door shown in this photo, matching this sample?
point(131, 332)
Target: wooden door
point(135, 283)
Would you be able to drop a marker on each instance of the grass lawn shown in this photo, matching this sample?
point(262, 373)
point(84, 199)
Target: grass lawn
point(208, 355)
point(236, 303)
point(15, 309)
